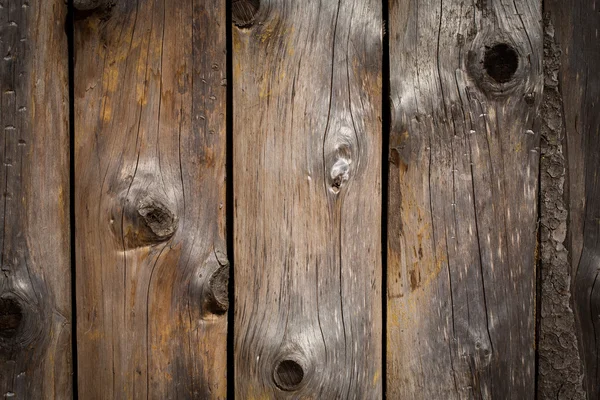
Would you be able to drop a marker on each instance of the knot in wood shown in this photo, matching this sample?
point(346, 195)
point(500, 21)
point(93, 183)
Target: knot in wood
point(218, 283)
point(339, 174)
point(11, 316)
point(158, 218)
point(147, 219)
point(243, 12)
point(500, 62)
point(288, 374)
point(497, 66)
point(21, 322)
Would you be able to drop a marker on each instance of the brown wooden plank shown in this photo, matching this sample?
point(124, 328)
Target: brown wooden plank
point(35, 292)
point(307, 179)
point(150, 100)
point(466, 81)
point(576, 27)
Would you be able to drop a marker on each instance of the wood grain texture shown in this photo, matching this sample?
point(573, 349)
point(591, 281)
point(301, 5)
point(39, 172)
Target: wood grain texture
point(150, 100)
point(576, 27)
point(35, 292)
point(466, 82)
point(307, 216)
point(560, 372)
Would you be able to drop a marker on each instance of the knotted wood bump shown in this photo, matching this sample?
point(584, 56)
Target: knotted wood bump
point(218, 298)
point(288, 374)
point(147, 219)
point(339, 174)
point(243, 12)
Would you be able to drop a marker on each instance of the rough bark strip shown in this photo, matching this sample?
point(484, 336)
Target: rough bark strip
point(35, 294)
point(307, 178)
point(466, 83)
point(150, 100)
point(576, 25)
point(560, 370)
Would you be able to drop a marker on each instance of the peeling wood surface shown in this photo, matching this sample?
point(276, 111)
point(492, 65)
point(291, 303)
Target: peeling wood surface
point(35, 296)
point(576, 28)
point(466, 82)
point(150, 101)
point(560, 373)
point(307, 179)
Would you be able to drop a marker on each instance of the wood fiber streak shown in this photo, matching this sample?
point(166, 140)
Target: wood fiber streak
point(35, 293)
point(576, 25)
point(150, 101)
point(307, 178)
point(463, 178)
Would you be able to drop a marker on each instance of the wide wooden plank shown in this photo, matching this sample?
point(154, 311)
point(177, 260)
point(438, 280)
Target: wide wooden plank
point(150, 102)
point(35, 285)
point(576, 27)
point(307, 192)
point(466, 82)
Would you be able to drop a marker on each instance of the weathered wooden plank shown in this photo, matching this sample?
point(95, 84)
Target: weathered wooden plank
point(307, 179)
point(576, 27)
point(35, 293)
point(466, 81)
point(150, 101)
point(559, 374)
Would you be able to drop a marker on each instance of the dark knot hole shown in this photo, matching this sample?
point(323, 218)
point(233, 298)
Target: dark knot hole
point(501, 62)
point(11, 315)
point(243, 12)
point(288, 375)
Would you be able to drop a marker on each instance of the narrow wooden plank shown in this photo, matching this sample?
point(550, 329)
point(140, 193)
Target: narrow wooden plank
point(307, 179)
point(150, 100)
point(35, 292)
point(466, 82)
point(560, 371)
point(576, 27)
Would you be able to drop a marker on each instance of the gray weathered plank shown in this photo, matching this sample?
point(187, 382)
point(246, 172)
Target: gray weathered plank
point(35, 292)
point(150, 101)
point(307, 179)
point(576, 26)
point(466, 81)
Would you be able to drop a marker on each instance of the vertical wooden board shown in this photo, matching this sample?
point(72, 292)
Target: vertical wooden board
point(559, 372)
point(307, 179)
point(466, 82)
point(150, 100)
point(576, 27)
point(35, 293)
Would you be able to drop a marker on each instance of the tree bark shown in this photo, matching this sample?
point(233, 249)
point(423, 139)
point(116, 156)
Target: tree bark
point(466, 83)
point(307, 178)
point(576, 27)
point(35, 294)
point(152, 271)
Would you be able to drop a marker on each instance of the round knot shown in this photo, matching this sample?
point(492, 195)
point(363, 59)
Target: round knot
point(500, 62)
point(288, 374)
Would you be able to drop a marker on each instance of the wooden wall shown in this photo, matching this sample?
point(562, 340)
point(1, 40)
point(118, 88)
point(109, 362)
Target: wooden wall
point(398, 198)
